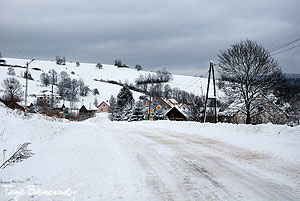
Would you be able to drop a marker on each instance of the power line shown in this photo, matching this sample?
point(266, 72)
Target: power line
point(10, 43)
point(283, 45)
point(198, 79)
point(286, 50)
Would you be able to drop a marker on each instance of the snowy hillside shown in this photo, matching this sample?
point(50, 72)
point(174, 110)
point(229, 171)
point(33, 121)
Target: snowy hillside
point(88, 72)
point(102, 160)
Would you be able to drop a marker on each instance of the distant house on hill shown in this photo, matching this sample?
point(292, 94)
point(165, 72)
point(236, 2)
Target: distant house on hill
point(44, 99)
point(103, 107)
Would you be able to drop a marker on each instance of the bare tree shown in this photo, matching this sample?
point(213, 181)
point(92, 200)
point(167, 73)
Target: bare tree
point(118, 63)
point(194, 108)
point(45, 79)
point(138, 67)
point(83, 89)
point(64, 84)
point(112, 107)
point(99, 65)
point(11, 71)
point(53, 81)
point(248, 70)
point(12, 89)
point(73, 91)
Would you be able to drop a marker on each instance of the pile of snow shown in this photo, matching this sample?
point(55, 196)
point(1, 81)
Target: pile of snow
point(73, 157)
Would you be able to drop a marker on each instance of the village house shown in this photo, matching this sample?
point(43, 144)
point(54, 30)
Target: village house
point(103, 107)
point(85, 113)
point(83, 110)
point(144, 99)
point(173, 110)
point(264, 111)
point(165, 103)
point(45, 99)
point(176, 114)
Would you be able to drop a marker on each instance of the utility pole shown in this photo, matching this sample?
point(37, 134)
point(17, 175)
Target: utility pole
point(150, 94)
point(26, 88)
point(211, 71)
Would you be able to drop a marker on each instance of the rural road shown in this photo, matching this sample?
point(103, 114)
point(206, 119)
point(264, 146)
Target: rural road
point(178, 166)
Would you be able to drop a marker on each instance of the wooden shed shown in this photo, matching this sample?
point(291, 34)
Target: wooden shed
point(175, 114)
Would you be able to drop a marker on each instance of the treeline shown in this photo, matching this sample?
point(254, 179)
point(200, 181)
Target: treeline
point(161, 76)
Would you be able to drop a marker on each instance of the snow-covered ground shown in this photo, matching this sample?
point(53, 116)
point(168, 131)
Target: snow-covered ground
point(88, 72)
point(163, 160)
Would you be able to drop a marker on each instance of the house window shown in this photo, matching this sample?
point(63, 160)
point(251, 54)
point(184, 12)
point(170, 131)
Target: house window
point(104, 105)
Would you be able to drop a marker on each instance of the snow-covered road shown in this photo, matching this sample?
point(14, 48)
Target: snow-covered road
point(140, 161)
point(181, 166)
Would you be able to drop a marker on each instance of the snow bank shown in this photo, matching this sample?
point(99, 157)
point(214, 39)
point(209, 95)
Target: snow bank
point(68, 155)
point(279, 140)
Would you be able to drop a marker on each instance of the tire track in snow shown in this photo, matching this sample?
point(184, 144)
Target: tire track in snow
point(251, 179)
point(190, 167)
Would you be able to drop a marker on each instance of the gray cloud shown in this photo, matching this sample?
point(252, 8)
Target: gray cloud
point(182, 36)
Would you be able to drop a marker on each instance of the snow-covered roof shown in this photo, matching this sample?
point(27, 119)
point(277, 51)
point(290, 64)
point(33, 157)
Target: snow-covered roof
point(106, 102)
point(90, 106)
point(47, 93)
point(167, 102)
point(173, 101)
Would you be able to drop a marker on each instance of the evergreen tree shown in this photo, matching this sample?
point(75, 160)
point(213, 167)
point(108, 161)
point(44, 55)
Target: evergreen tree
point(124, 97)
point(138, 112)
point(127, 111)
point(124, 104)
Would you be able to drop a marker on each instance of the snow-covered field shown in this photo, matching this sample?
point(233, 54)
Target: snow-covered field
point(88, 72)
point(163, 160)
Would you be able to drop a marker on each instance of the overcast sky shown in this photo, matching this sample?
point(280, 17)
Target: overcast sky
point(182, 36)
